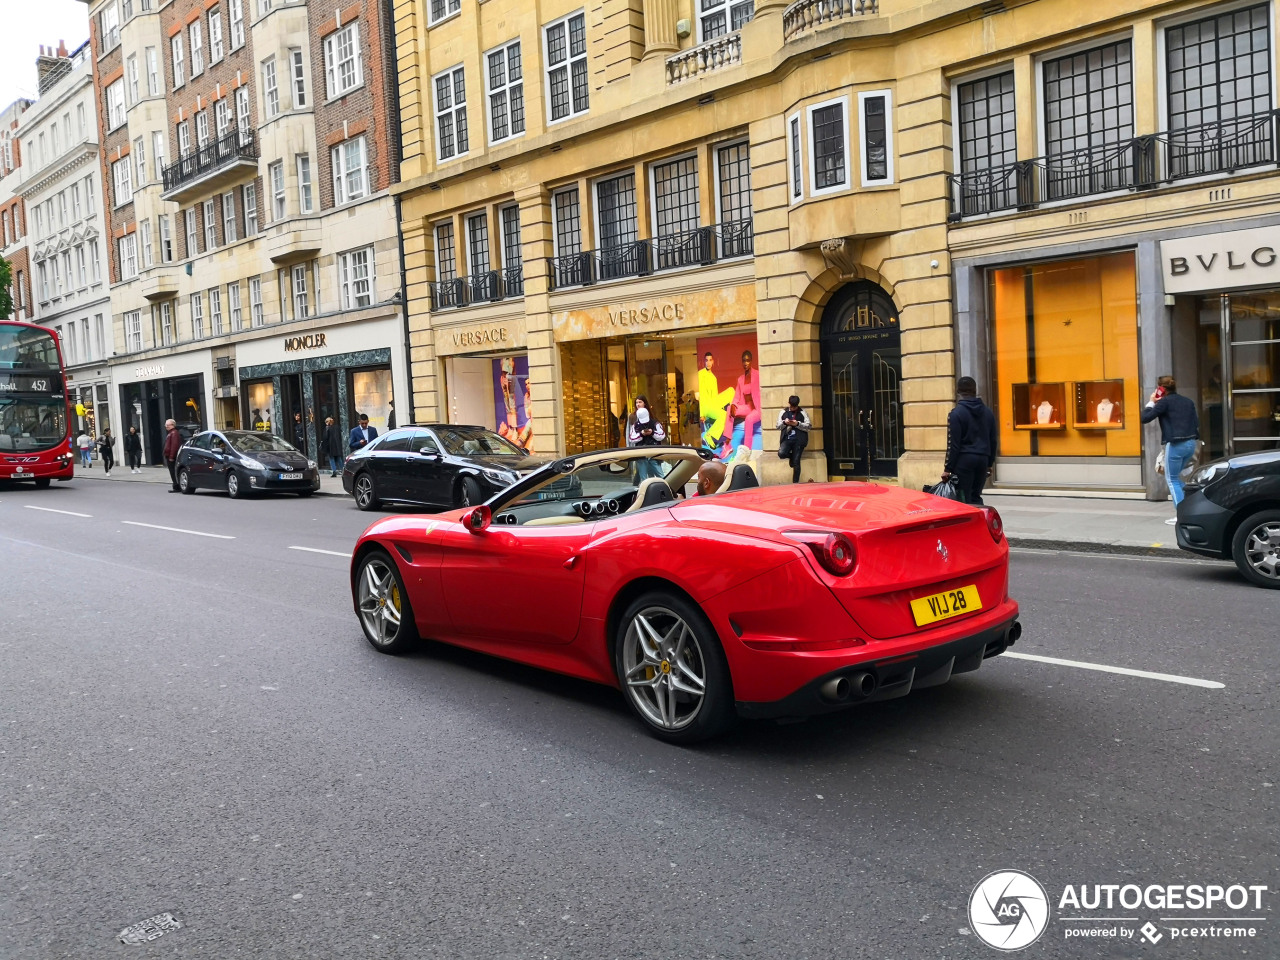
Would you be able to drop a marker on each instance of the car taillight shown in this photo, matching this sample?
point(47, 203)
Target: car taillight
point(834, 551)
point(995, 526)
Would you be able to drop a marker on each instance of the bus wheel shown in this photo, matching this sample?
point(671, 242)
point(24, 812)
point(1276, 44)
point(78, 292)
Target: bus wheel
point(42, 483)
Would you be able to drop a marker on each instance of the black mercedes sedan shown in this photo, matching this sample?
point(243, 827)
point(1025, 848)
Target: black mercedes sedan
point(1232, 512)
point(245, 461)
point(437, 464)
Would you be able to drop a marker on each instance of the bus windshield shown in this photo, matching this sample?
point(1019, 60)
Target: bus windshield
point(31, 425)
point(27, 348)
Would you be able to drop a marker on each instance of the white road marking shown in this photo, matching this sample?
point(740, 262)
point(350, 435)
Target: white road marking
point(1123, 671)
point(194, 533)
point(69, 513)
point(332, 553)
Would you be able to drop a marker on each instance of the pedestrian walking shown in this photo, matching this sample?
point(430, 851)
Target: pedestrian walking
point(105, 443)
point(299, 433)
point(172, 444)
point(972, 441)
point(331, 445)
point(1179, 431)
point(793, 426)
point(391, 414)
point(86, 449)
point(362, 435)
point(133, 450)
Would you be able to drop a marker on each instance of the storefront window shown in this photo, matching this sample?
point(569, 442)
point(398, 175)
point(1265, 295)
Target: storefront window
point(1255, 371)
point(492, 392)
point(261, 401)
point(370, 393)
point(1065, 348)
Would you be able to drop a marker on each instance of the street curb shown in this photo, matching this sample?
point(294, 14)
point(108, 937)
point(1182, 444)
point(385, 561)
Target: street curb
point(165, 483)
point(1084, 546)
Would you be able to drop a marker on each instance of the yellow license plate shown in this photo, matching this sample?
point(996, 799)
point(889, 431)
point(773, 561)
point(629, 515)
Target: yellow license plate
point(942, 606)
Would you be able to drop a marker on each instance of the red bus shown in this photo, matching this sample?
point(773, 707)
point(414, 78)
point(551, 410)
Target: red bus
point(35, 419)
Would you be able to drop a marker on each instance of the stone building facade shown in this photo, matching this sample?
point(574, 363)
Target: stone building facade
point(62, 189)
point(248, 153)
point(13, 216)
point(596, 198)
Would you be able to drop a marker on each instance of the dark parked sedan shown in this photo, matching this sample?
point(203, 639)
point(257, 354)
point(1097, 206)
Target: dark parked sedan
point(1232, 511)
point(245, 461)
point(440, 465)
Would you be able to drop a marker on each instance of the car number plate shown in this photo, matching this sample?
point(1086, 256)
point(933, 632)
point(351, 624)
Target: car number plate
point(290, 476)
point(943, 606)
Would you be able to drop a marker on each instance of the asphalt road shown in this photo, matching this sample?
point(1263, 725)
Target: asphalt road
point(195, 725)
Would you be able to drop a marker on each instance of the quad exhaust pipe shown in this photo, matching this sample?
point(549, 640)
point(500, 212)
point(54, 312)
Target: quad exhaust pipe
point(852, 687)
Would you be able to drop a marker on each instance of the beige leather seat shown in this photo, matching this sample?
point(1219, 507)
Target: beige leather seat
point(740, 476)
point(551, 521)
point(651, 492)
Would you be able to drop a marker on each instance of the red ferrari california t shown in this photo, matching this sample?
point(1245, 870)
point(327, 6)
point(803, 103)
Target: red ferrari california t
point(768, 602)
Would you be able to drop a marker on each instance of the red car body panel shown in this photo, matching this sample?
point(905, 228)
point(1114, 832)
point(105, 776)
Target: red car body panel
point(545, 595)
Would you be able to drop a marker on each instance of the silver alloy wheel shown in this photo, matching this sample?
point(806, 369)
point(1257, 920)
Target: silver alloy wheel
point(379, 602)
point(466, 496)
point(184, 480)
point(1262, 549)
point(364, 490)
point(663, 668)
point(233, 484)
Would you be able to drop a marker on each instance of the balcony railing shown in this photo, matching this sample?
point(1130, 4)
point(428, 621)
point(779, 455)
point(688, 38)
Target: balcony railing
point(805, 15)
point(702, 246)
point(229, 149)
point(489, 287)
point(1142, 163)
point(705, 57)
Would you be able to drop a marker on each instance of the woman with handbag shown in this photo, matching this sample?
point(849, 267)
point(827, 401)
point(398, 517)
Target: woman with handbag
point(1179, 431)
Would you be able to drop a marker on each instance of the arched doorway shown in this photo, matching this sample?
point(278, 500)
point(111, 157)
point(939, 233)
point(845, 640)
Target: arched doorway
point(861, 382)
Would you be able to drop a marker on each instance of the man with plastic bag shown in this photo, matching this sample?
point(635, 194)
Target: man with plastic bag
point(971, 446)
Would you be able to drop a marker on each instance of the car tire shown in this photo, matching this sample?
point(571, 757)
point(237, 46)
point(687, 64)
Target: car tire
point(382, 604)
point(365, 491)
point(470, 493)
point(660, 667)
point(42, 483)
point(1256, 548)
point(234, 490)
point(184, 481)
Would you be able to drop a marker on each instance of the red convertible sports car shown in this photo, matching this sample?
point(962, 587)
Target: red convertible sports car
point(769, 602)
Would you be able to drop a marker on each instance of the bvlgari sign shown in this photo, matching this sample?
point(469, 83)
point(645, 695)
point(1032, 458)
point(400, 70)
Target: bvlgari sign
point(1221, 261)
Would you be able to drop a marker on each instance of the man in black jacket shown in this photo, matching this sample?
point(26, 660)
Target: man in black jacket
point(1179, 430)
point(971, 441)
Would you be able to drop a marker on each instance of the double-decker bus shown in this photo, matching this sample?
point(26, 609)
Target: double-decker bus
point(35, 421)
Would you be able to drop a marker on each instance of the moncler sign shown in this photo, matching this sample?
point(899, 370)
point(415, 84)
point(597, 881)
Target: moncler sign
point(1221, 261)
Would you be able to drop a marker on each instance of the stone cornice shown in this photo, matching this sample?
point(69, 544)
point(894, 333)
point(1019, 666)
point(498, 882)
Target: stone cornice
point(87, 151)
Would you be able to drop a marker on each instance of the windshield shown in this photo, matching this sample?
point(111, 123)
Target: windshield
point(32, 425)
point(611, 479)
point(27, 348)
point(247, 442)
point(476, 442)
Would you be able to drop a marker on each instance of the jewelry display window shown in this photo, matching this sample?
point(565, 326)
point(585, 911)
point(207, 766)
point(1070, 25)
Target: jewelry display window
point(1039, 406)
point(1099, 405)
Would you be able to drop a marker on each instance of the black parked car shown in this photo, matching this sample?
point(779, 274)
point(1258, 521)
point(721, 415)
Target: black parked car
point(1232, 511)
point(245, 461)
point(439, 464)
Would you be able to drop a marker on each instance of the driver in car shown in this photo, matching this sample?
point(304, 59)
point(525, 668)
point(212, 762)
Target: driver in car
point(710, 476)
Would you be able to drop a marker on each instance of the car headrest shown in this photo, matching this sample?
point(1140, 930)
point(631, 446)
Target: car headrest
point(652, 492)
point(742, 477)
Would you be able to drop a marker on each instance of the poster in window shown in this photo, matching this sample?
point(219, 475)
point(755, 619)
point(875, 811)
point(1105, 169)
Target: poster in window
point(729, 394)
point(511, 400)
point(262, 399)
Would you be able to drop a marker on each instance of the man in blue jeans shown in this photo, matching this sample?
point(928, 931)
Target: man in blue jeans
point(1179, 430)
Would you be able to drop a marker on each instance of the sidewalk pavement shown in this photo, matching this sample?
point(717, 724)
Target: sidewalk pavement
point(1089, 524)
point(1050, 523)
point(329, 486)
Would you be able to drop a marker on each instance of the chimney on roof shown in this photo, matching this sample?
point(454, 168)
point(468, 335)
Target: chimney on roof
point(48, 62)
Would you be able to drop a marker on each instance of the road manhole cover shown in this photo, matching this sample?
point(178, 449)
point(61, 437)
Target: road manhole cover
point(152, 928)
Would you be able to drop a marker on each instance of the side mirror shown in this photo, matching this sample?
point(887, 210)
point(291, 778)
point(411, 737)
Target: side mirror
point(478, 520)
